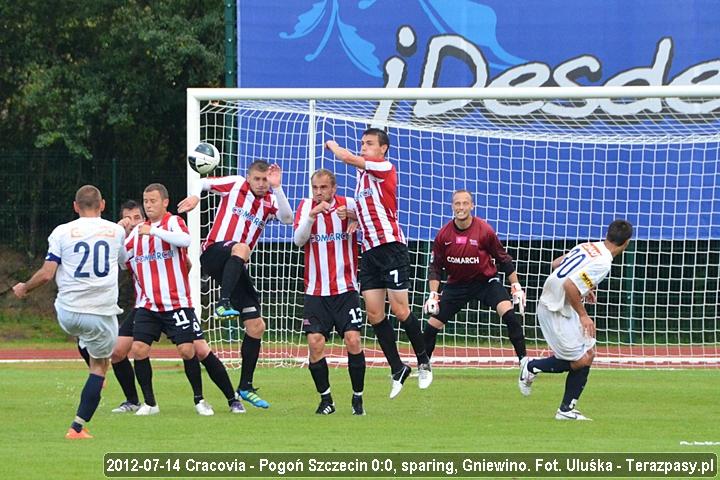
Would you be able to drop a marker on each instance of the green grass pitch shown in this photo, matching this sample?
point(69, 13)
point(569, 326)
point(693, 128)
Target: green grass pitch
point(465, 410)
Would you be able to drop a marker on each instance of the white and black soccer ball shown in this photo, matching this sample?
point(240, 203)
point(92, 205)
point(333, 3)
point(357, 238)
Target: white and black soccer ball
point(204, 158)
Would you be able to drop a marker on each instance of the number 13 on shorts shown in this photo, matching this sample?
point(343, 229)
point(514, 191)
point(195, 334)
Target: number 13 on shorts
point(356, 315)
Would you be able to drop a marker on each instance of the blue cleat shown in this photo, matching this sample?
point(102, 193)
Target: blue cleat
point(225, 309)
point(253, 398)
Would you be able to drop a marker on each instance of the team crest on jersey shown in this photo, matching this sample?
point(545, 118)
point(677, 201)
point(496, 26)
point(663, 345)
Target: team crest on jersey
point(473, 242)
point(266, 204)
point(365, 192)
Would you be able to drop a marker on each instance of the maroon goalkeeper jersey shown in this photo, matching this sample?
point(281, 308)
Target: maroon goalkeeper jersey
point(467, 255)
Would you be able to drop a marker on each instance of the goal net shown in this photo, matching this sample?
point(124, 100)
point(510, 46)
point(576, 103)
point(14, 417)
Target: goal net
point(549, 168)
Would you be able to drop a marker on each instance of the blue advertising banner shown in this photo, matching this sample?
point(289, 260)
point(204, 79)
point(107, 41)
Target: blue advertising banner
point(536, 189)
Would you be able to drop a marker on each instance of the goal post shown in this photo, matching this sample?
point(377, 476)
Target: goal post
point(549, 167)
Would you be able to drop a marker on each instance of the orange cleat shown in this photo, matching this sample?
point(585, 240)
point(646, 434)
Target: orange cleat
point(81, 435)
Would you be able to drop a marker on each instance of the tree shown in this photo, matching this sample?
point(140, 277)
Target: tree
point(104, 79)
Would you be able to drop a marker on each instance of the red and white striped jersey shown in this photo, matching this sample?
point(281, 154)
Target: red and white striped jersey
point(376, 198)
point(241, 216)
point(331, 254)
point(160, 269)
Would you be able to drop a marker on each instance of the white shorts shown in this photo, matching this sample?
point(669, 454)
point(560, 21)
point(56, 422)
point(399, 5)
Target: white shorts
point(563, 334)
point(97, 333)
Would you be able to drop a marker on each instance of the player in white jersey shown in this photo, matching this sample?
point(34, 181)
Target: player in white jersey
point(324, 226)
point(158, 260)
point(566, 325)
point(385, 264)
point(246, 205)
point(83, 257)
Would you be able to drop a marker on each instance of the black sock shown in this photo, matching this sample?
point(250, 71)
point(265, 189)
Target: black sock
point(250, 352)
point(194, 376)
point(548, 365)
point(515, 333)
point(143, 373)
point(84, 354)
point(430, 337)
point(218, 374)
point(90, 397)
point(574, 385)
point(412, 330)
point(233, 271)
point(356, 369)
point(320, 375)
point(386, 338)
point(126, 378)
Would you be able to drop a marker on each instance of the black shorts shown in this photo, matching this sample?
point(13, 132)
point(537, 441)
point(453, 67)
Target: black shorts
point(321, 314)
point(180, 326)
point(128, 324)
point(244, 297)
point(386, 266)
point(455, 297)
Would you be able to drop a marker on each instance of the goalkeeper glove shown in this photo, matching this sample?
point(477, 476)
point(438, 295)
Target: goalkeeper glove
point(432, 305)
point(518, 297)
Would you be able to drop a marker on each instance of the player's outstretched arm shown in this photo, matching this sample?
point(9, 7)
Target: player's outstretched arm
point(345, 155)
point(192, 200)
point(188, 203)
point(39, 278)
point(284, 213)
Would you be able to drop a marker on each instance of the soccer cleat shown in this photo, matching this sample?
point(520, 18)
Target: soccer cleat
point(526, 377)
point(253, 398)
point(325, 408)
point(146, 409)
point(126, 407)
point(357, 405)
point(570, 415)
point(398, 379)
point(237, 407)
point(225, 309)
point(425, 375)
point(205, 409)
point(81, 435)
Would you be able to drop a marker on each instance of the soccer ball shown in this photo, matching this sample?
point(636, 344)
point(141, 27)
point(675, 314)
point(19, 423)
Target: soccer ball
point(204, 158)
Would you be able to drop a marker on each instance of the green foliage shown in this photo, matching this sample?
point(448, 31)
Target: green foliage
point(103, 77)
point(89, 85)
point(465, 410)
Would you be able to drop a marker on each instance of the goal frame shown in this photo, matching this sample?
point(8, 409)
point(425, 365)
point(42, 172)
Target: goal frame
point(197, 95)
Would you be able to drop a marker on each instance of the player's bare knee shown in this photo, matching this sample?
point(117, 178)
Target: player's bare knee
point(504, 307)
point(99, 366)
point(402, 312)
point(352, 342)
point(316, 346)
point(202, 349)
point(585, 361)
point(140, 350)
point(255, 327)
point(434, 322)
point(241, 250)
point(117, 356)
point(186, 350)
point(122, 349)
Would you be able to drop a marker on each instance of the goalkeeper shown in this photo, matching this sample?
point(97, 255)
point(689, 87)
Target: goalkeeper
point(465, 248)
